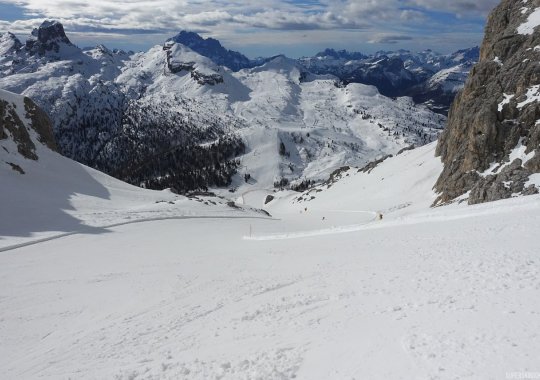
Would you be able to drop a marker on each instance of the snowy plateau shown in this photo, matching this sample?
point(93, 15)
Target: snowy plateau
point(356, 276)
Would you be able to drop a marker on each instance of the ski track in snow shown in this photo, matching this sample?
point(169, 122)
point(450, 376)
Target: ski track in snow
point(143, 220)
point(174, 305)
point(320, 232)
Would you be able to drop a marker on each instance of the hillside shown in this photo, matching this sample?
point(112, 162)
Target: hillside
point(196, 291)
point(46, 196)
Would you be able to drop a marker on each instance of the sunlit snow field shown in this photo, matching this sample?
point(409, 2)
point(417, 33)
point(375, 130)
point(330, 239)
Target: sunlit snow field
point(322, 289)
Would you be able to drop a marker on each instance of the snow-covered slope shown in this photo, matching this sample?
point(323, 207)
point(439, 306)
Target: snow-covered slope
point(326, 290)
point(398, 185)
point(147, 117)
point(45, 195)
point(57, 197)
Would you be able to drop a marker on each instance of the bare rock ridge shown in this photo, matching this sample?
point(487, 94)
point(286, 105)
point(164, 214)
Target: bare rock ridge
point(23, 125)
point(491, 145)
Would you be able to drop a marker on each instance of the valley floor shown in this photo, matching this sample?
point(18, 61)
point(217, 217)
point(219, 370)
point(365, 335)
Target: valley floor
point(450, 293)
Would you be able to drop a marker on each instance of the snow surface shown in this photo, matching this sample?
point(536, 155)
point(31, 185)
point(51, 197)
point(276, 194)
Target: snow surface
point(100, 279)
point(322, 290)
point(532, 22)
point(505, 101)
point(533, 95)
point(450, 80)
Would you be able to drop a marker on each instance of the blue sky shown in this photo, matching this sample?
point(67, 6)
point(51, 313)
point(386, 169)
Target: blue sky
point(261, 28)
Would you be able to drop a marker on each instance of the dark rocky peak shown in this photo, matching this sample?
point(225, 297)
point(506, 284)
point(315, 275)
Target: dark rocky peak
point(182, 59)
point(491, 146)
point(122, 52)
point(193, 39)
point(48, 37)
point(212, 48)
point(394, 64)
point(51, 31)
point(382, 53)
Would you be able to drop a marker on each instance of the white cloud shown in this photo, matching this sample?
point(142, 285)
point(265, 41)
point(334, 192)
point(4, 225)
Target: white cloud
point(374, 20)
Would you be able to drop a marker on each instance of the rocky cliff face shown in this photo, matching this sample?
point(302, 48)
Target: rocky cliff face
point(50, 36)
point(491, 146)
point(23, 127)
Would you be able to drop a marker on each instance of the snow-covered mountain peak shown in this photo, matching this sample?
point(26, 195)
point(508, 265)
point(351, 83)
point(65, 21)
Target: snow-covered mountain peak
point(283, 65)
point(9, 43)
point(203, 70)
point(421, 75)
point(212, 49)
point(173, 117)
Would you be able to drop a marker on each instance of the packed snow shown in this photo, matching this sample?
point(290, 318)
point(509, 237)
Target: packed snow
point(322, 289)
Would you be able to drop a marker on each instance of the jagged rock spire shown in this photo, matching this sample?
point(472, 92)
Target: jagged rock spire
point(48, 37)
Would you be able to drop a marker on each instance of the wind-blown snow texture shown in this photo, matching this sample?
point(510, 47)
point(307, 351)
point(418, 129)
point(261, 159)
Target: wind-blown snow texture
point(146, 117)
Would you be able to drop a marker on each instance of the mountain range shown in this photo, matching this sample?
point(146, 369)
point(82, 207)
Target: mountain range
point(173, 118)
point(428, 77)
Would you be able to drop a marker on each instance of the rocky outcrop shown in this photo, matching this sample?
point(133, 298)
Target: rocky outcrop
point(25, 124)
point(491, 145)
point(48, 37)
point(178, 60)
point(40, 123)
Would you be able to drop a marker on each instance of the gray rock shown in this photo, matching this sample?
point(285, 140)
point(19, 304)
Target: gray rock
point(478, 132)
point(12, 126)
point(48, 37)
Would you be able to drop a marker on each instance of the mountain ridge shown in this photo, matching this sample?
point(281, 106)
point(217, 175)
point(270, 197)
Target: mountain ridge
point(172, 118)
